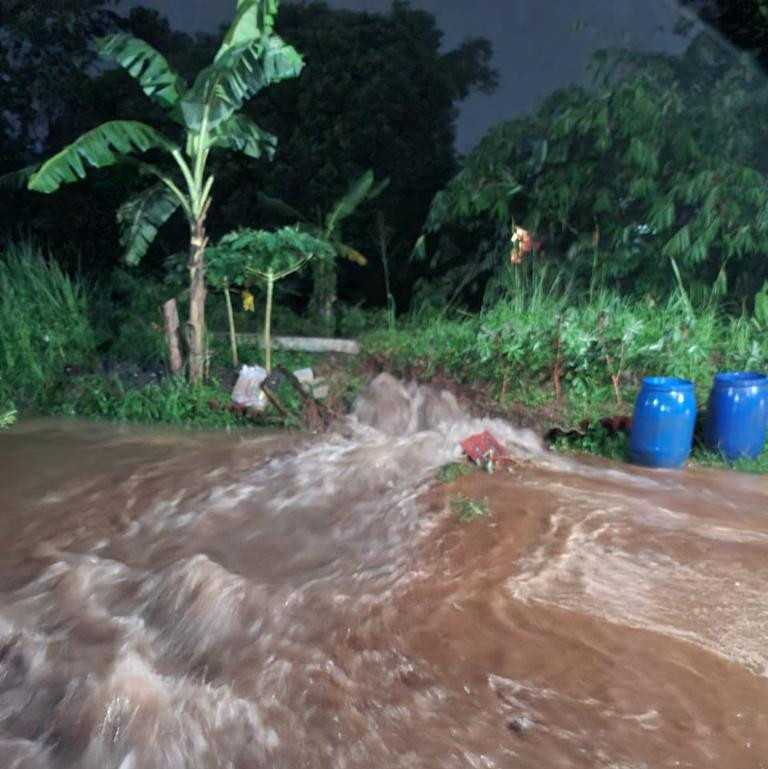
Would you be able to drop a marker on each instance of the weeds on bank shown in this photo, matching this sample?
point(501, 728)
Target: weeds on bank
point(757, 466)
point(467, 509)
point(614, 445)
point(537, 344)
point(172, 401)
point(597, 439)
point(44, 321)
point(453, 470)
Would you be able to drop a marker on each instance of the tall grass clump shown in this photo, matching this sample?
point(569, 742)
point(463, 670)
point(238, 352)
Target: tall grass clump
point(171, 401)
point(44, 323)
point(537, 340)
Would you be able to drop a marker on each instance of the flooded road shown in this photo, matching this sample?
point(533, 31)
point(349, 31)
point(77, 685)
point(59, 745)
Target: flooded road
point(179, 599)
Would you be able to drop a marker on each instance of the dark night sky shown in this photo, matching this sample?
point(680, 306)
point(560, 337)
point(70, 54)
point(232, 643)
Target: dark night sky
point(538, 45)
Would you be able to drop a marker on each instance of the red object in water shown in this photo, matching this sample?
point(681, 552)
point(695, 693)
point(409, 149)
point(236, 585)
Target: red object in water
point(485, 449)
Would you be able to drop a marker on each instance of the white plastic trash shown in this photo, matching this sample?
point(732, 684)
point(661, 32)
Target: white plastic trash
point(247, 390)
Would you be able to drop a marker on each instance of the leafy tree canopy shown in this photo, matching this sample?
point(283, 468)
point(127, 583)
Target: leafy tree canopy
point(663, 158)
point(378, 91)
point(247, 253)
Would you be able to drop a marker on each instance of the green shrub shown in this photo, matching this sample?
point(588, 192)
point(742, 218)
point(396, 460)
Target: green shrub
point(355, 320)
point(172, 401)
point(598, 350)
point(44, 321)
point(129, 320)
point(467, 509)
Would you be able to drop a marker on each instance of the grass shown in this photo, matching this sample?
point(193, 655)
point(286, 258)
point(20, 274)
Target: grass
point(172, 401)
point(604, 442)
point(596, 440)
point(454, 470)
point(757, 466)
point(537, 338)
point(535, 344)
point(45, 324)
point(467, 509)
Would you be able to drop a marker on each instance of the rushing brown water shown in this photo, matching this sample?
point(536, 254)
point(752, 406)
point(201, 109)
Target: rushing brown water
point(241, 601)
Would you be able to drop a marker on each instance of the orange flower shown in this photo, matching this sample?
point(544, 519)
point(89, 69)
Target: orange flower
point(522, 242)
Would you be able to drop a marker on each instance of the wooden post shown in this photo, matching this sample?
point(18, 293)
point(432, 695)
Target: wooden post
point(171, 318)
point(231, 324)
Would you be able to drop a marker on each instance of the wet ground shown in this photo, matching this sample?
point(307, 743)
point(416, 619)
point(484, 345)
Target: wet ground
point(180, 599)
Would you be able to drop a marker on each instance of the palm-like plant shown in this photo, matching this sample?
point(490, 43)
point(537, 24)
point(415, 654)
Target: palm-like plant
point(268, 257)
point(251, 57)
point(328, 229)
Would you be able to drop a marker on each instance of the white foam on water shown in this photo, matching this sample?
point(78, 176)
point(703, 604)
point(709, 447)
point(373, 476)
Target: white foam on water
point(630, 563)
point(193, 653)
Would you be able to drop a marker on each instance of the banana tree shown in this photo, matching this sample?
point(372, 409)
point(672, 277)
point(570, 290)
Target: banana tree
point(251, 57)
point(269, 257)
point(325, 271)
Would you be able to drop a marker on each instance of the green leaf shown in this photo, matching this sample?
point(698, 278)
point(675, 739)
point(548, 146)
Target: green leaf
point(242, 134)
point(662, 213)
point(261, 252)
point(643, 156)
point(679, 243)
point(141, 217)
point(102, 146)
point(255, 19)
point(280, 207)
point(221, 89)
point(17, 180)
point(761, 306)
point(149, 67)
point(362, 189)
point(419, 252)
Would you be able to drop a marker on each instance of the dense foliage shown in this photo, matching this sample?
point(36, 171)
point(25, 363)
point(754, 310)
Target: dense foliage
point(379, 91)
point(662, 159)
point(539, 340)
point(45, 326)
point(249, 58)
point(266, 256)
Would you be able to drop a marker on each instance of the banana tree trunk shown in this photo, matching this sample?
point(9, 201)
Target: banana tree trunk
point(325, 281)
point(196, 323)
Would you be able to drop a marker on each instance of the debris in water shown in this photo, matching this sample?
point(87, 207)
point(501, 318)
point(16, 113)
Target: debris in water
point(247, 390)
point(520, 724)
point(486, 451)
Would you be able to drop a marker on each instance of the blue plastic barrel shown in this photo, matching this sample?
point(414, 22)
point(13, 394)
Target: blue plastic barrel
point(663, 422)
point(737, 414)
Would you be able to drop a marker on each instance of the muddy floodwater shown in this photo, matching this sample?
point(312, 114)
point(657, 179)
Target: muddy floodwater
point(176, 599)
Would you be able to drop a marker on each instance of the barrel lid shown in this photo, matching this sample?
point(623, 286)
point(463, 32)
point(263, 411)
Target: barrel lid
point(740, 379)
point(666, 383)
